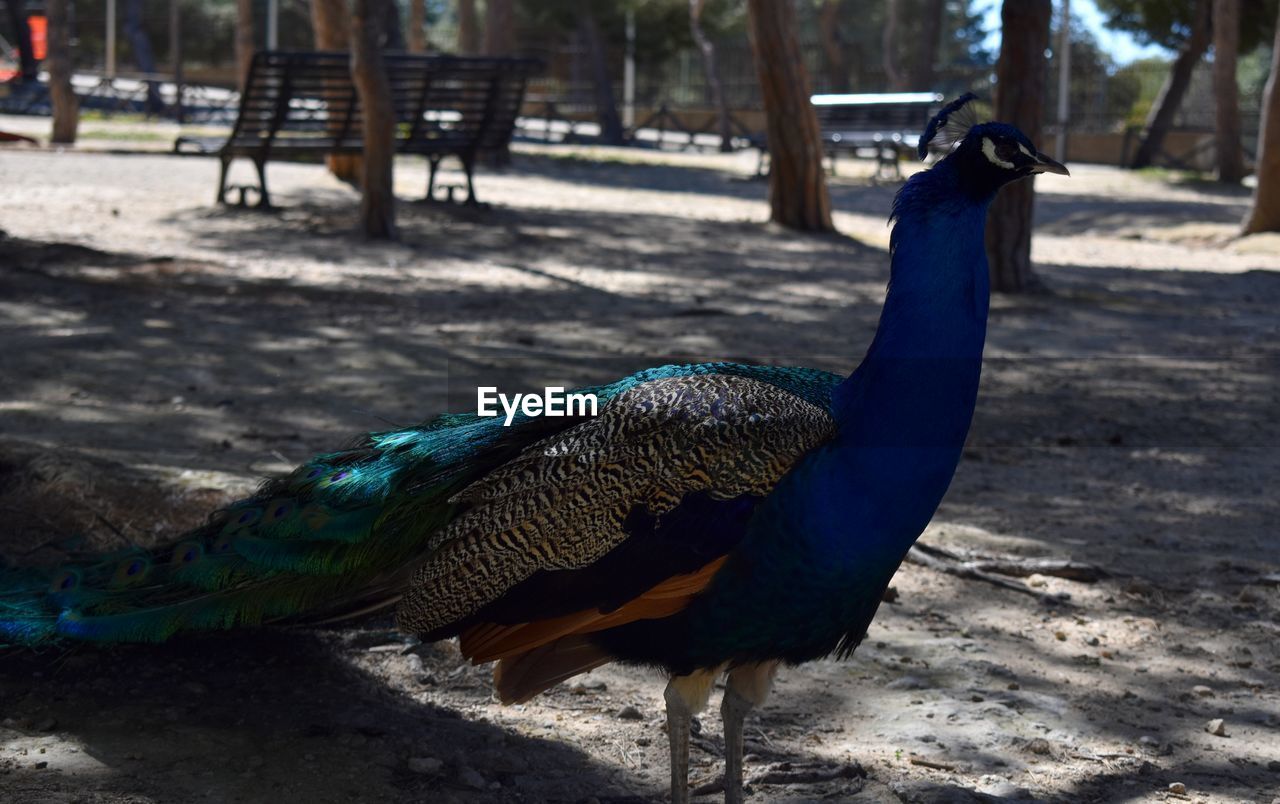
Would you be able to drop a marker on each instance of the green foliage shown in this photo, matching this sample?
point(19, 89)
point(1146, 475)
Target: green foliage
point(1146, 76)
point(1168, 22)
point(961, 45)
point(1103, 95)
point(662, 26)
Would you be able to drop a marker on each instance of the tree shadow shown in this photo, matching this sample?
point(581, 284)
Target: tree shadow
point(260, 715)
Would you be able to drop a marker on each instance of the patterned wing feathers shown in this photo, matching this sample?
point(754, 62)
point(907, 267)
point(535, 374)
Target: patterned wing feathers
point(562, 503)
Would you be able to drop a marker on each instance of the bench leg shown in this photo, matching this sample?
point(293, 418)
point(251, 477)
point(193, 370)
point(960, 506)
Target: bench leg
point(264, 201)
point(469, 165)
point(433, 163)
point(222, 180)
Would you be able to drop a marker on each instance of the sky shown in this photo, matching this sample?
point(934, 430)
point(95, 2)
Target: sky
point(1121, 45)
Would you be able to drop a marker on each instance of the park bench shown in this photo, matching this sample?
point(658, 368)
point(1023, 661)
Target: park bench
point(875, 126)
point(304, 104)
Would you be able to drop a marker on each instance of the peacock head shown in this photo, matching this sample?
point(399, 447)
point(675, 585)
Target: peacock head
point(991, 154)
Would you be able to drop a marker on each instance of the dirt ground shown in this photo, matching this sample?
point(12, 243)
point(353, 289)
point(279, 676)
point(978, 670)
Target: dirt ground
point(160, 355)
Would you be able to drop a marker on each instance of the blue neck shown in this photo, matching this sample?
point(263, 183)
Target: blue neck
point(904, 413)
point(918, 383)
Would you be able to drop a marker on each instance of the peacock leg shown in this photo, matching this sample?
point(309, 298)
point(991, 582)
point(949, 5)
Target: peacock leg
point(746, 688)
point(686, 696)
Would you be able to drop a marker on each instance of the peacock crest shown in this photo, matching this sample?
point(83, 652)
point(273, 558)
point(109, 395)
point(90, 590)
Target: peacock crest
point(950, 125)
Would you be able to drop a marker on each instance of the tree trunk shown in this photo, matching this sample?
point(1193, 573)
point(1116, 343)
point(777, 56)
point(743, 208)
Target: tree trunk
point(245, 44)
point(926, 55)
point(331, 27)
point(417, 37)
point(369, 72)
point(601, 81)
point(499, 28)
point(27, 68)
point(833, 46)
point(1226, 91)
point(797, 186)
point(893, 77)
point(1264, 215)
point(1160, 120)
point(468, 28)
point(66, 106)
point(1021, 73)
point(392, 34)
point(711, 69)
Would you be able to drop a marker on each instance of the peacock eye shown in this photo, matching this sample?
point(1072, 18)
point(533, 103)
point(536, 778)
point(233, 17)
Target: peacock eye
point(1006, 150)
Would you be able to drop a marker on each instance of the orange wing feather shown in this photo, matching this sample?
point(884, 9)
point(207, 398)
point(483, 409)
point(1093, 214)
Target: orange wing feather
point(487, 642)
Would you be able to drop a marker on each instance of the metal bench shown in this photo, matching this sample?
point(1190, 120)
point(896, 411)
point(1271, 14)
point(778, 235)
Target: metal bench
point(882, 126)
point(876, 126)
point(304, 104)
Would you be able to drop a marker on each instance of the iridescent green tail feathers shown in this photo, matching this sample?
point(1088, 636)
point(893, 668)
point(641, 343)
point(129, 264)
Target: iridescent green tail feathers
point(339, 533)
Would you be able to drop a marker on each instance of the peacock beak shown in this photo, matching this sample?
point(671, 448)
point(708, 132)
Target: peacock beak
point(1046, 165)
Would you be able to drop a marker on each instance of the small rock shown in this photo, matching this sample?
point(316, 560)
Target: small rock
point(908, 683)
point(1216, 727)
point(1250, 595)
point(629, 712)
point(1013, 685)
point(1274, 765)
point(1005, 790)
point(1139, 587)
point(1039, 746)
point(471, 778)
point(1061, 636)
point(428, 765)
point(414, 662)
point(41, 765)
point(1037, 581)
point(1178, 787)
point(975, 698)
point(1202, 691)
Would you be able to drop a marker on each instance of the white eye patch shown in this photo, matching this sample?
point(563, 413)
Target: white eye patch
point(989, 151)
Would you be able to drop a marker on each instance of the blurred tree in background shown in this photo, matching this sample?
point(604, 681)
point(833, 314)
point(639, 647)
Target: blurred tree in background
point(1186, 27)
point(1264, 216)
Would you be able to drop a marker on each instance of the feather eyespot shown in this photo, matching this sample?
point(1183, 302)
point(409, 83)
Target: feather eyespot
point(279, 509)
point(187, 552)
point(64, 581)
point(130, 571)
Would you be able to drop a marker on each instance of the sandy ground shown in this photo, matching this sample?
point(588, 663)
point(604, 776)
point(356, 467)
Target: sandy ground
point(160, 355)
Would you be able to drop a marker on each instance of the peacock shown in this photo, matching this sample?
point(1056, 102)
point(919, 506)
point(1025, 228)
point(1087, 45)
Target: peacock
point(712, 519)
